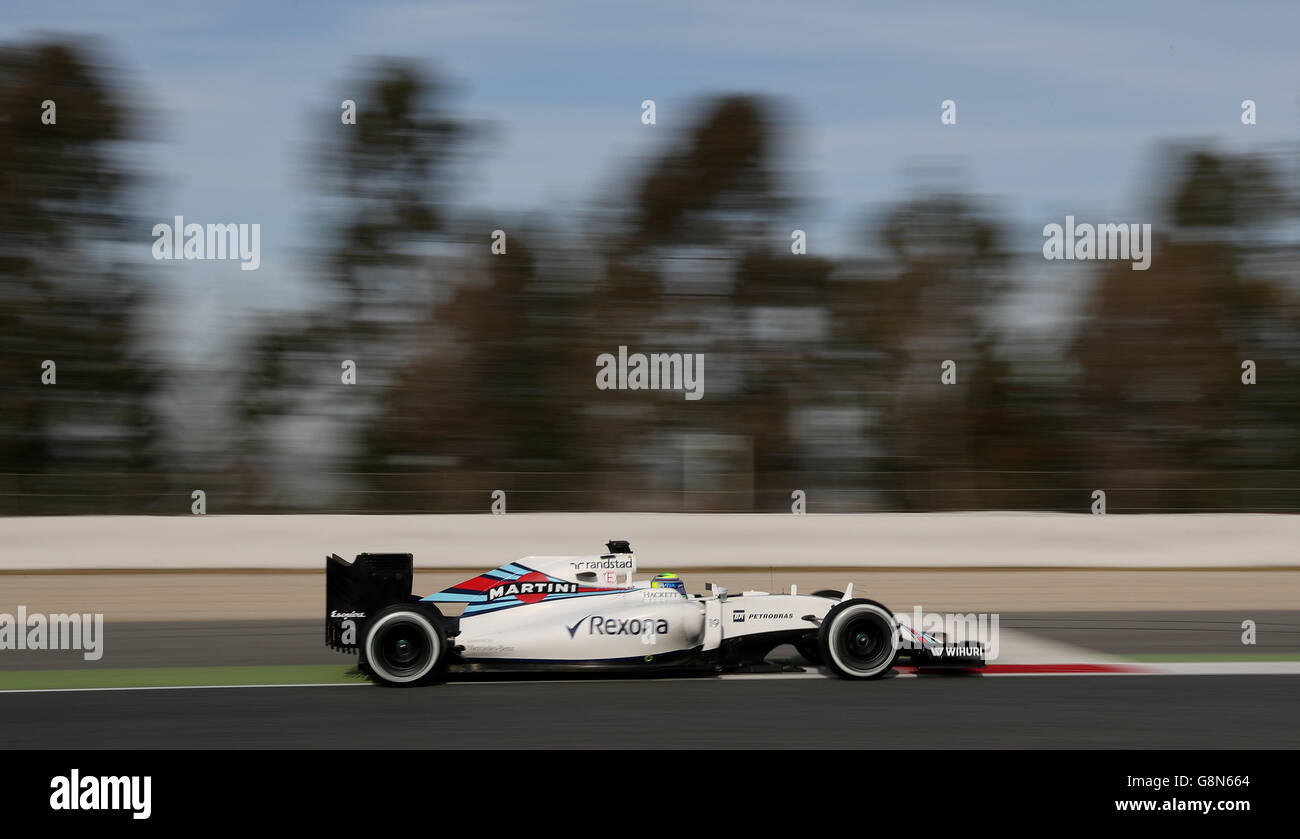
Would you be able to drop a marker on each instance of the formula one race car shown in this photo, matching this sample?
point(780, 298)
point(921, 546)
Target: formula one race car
point(583, 612)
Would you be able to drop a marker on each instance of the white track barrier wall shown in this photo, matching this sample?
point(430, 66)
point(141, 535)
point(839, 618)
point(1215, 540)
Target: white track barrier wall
point(661, 541)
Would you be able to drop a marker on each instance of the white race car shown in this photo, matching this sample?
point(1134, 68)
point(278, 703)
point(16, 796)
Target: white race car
point(583, 612)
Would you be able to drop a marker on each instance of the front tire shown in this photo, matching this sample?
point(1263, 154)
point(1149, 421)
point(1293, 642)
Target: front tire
point(809, 649)
point(859, 640)
point(404, 646)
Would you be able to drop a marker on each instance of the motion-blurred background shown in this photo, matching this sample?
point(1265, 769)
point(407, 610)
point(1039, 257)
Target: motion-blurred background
point(476, 372)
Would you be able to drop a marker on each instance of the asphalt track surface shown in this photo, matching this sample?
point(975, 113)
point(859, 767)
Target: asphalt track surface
point(1217, 712)
point(777, 711)
point(241, 643)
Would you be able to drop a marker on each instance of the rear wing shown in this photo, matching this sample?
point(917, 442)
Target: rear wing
point(356, 590)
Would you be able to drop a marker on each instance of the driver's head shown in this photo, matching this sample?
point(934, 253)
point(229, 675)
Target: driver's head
point(669, 581)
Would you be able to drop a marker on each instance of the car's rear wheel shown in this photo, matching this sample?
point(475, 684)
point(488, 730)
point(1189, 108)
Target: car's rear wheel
point(404, 645)
point(859, 639)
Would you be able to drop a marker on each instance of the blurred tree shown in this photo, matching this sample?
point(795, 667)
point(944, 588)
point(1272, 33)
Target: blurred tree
point(382, 185)
point(720, 183)
point(1161, 351)
point(86, 443)
point(947, 446)
point(491, 401)
point(702, 265)
point(945, 256)
point(488, 382)
point(503, 394)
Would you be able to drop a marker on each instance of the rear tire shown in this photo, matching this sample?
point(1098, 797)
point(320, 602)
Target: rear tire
point(859, 640)
point(404, 645)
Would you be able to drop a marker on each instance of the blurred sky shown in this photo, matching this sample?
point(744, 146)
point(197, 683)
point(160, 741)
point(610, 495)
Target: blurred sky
point(1060, 106)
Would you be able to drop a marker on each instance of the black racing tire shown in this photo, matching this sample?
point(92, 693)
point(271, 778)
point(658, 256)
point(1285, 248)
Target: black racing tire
point(808, 649)
point(404, 645)
point(859, 639)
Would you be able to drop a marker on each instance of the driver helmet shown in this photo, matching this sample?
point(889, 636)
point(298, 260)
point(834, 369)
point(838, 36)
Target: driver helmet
point(669, 581)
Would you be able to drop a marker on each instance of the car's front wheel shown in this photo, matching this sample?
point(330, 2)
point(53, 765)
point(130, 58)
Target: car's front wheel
point(404, 645)
point(859, 639)
point(809, 648)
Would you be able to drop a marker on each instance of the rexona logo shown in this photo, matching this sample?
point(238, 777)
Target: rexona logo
point(530, 591)
point(599, 625)
point(108, 792)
